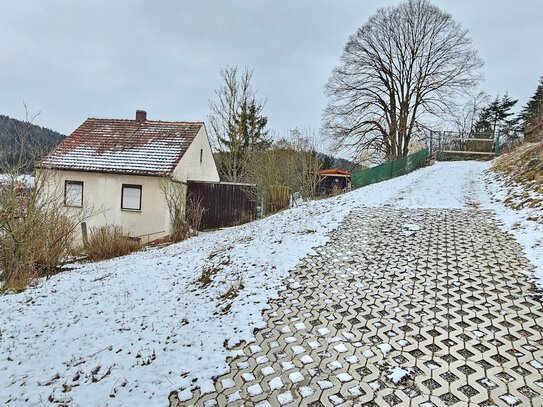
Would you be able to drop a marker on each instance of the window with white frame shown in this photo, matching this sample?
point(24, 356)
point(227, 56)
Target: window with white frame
point(73, 193)
point(131, 197)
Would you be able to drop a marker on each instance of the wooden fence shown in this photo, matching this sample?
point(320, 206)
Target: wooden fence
point(226, 204)
point(279, 198)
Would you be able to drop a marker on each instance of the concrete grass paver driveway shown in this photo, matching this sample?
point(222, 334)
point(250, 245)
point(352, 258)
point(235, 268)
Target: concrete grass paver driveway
point(407, 307)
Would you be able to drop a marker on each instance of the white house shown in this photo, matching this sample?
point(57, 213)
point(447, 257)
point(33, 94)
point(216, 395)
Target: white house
point(118, 168)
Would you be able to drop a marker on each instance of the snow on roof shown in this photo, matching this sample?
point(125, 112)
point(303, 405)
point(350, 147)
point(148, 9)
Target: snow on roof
point(124, 146)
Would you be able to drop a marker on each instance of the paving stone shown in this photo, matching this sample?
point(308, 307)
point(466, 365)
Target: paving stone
point(450, 303)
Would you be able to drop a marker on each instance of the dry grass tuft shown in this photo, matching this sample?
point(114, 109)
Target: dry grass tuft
point(207, 275)
point(108, 242)
point(233, 291)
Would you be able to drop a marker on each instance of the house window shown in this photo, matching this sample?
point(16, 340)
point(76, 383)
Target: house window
point(131, 197)
point(73, 193)
point(201, 155)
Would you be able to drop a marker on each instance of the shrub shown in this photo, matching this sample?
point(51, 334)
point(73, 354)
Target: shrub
point(35, 238)
point(110, 241)
point(36, 229)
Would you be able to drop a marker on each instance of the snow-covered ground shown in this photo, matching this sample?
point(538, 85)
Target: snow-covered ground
point(129, 330)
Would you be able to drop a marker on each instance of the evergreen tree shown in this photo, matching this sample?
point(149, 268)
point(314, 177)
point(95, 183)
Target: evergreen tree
point(327, 161)
point(498, 117)
point(532, 113)
point(238, 127)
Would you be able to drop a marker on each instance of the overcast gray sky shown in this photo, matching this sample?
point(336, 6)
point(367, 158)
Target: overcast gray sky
point(74, 59)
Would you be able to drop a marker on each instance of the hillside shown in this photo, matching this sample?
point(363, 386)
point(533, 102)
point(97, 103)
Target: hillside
point(522, 173)
point(33, 141)
point(128, 331)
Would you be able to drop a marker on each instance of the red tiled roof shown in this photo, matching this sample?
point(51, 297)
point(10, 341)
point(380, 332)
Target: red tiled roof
point(335, 171)
point(124, 146)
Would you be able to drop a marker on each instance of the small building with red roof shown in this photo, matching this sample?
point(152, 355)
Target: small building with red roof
point(117, 170)
point(333, 181)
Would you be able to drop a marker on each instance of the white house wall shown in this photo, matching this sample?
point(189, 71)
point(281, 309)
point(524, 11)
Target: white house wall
point(102, 198)
point(190, 168)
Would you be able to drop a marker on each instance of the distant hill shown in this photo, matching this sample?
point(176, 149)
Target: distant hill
point(24, 143)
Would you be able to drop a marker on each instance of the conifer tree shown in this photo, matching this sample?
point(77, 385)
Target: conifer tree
point(498, 117)
point(532, 113)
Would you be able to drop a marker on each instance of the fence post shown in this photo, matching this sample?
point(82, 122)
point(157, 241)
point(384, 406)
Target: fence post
point(431, 138)
point(84, 234)
point(497, 144)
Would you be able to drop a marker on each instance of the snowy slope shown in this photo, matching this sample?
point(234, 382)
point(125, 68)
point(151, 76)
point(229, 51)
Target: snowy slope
point(130, 330)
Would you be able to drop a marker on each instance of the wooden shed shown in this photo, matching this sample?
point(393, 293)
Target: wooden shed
point(333, 181)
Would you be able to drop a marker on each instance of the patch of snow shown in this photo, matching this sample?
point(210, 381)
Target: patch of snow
point(268, 370)
point(298, 349)
point(285, 398)
point(228, 383)
point(536, 364)
point(384, 347)
point(234, 397)
point(397, 374)
point(368, 354)
point(306, 391)
point(375, 386)
point(299, 326)
point(356, 391)
point(334, 365)
point(325, 384)
point(344, 377)
point(254, 390)
point(352, 359)
point(275, 383)
point(341, 348)
point(287, 365)
point(336, 400)
point(296, 377)
point(323, 331)
point(509, 399)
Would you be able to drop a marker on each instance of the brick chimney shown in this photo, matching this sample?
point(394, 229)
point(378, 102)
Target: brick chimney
point(141, 116)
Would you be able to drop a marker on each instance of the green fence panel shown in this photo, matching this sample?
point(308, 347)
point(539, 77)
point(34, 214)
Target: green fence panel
point(390, 170)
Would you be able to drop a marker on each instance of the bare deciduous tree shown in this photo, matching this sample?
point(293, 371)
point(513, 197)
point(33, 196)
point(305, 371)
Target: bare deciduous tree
point(465, 116)
point(406, 63)
point(291, 161)
point(237, 124)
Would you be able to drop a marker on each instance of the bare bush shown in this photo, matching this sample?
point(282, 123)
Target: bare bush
point(107, 242)
point(186, 212)
point(195, 213)
point(36, 230)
